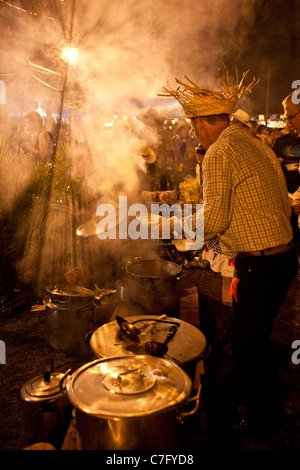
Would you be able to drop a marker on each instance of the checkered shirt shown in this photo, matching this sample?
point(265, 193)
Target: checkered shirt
point(245, 195)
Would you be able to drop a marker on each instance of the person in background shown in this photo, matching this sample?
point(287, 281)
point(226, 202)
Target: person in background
point(287, 149)
point(242, 118)
point(254, 126)
point(291, 106)
point(287, 146)
point(262, 132)
point(158, 139)
point(39, 142)
point(246, 207)
point(272, 136)
point(185, 159)
point(147, 170)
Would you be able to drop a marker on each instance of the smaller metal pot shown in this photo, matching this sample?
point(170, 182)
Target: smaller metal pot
point(46, 412)
point(69, 316)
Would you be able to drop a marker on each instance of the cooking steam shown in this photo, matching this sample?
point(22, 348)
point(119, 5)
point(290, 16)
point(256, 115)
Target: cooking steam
point(98, 65)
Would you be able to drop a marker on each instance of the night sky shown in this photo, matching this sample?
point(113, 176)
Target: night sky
point(274, 51)
point(133, 48)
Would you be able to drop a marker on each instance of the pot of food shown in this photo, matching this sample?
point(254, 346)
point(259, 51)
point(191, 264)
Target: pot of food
point(69, 316)
point(46, 412)
point(130, 403)
point(153, 286)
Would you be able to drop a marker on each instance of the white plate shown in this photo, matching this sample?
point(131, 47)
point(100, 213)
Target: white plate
point(292, 166)
point(186, 245)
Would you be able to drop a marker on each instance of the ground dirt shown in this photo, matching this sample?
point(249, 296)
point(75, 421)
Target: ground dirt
point(28, 355)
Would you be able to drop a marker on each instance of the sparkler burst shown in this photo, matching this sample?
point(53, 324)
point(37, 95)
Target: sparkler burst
point(70, 54)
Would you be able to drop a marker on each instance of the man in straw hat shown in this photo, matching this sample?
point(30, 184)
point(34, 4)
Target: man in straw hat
point(246, 206)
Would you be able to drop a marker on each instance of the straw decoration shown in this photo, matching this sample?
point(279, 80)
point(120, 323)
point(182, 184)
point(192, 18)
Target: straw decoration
point(197, 101)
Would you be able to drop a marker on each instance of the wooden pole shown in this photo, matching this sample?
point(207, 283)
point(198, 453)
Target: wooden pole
point(268, 93)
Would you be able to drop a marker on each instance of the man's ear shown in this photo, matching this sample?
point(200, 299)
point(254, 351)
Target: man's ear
point(199, 122)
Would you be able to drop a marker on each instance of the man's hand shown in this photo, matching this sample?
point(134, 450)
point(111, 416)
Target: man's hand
point(296, 207)
point(26, 146)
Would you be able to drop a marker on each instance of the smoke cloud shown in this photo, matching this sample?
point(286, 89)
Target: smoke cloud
point(127, 51)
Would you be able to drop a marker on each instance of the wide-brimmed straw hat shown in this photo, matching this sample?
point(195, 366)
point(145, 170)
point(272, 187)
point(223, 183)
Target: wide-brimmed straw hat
point(140, 147)
point(242, 116)
point(150, 114)
point(196, 101)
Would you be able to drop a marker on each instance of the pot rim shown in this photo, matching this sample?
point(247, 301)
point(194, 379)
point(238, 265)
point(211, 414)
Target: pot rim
point(37, 390)
point(65, 291)
point(148, 261)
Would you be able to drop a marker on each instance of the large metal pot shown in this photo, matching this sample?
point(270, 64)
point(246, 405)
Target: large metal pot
point(153, 287)
point(46, 412)
point(130, 403)
point(188, 346)
point(70, 316)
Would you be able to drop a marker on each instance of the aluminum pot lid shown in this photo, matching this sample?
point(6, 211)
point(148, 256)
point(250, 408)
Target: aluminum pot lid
point(68, 296)
point(44, 386)
point(68, 289)
point(128, 386)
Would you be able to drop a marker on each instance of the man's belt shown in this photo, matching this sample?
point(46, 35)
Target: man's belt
point(268, 251)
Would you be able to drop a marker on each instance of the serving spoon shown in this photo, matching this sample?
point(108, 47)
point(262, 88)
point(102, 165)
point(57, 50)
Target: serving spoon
point(158, 349)
point(127, 328)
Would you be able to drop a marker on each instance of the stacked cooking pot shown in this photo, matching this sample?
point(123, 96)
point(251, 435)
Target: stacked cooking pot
point(130, 403)
point(74, 311)
point(127, 402)
point(46, 412)
point(152, 286)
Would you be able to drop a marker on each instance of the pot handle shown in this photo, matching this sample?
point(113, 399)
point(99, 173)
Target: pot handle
point(195, 398)
point(205, 354)
point(88, 336)
point(180, 276)
point(61, 383)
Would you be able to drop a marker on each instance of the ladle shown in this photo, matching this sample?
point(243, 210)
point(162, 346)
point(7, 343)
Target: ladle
point(127, 328)
point(158, 349)
point(152, 324)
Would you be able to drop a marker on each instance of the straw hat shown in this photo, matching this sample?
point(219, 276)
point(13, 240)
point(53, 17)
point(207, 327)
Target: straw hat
point(242, 117)
point(196, 101)
point(151, 113)
point(182, 125)
point(140, 147)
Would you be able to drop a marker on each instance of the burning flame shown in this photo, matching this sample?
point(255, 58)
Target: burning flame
point(70, 54)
